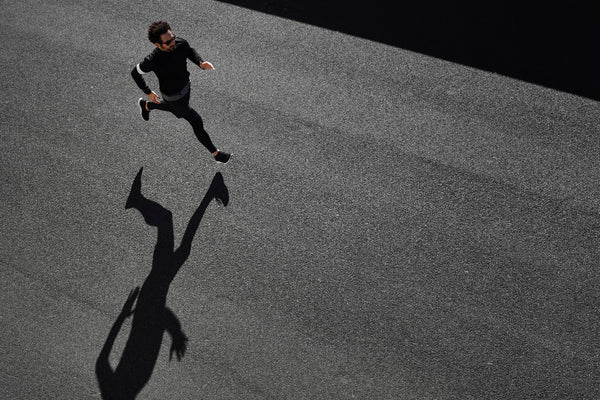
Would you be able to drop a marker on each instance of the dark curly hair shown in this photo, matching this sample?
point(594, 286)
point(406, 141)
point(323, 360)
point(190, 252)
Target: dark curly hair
point(157, 29)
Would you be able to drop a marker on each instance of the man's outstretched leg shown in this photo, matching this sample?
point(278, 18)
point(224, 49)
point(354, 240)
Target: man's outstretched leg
point(182, 109)
point(195, 120)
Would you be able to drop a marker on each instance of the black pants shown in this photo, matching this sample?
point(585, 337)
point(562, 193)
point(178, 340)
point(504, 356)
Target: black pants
point(181, 109)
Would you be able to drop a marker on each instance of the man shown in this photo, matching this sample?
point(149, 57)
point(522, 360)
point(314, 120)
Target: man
point(168, 62)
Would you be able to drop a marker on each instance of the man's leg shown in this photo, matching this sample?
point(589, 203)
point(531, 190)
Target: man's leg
point(145, 107)
point(181, 108)
point(163, 105)
point(195, 120)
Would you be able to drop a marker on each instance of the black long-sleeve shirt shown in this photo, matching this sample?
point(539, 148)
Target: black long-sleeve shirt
point(169, 67)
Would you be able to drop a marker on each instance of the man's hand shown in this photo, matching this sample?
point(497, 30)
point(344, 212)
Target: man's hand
point(154, 98)
point(206, 65)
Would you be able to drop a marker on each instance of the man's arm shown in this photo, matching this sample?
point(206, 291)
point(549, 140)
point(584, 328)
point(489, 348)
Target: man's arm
point(136, 74)
point(194, 57)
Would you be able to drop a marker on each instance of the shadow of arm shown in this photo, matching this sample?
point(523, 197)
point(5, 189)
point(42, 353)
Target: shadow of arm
point(104, 371)
point(179, 340)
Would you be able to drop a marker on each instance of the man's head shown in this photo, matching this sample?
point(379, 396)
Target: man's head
point(160, 34)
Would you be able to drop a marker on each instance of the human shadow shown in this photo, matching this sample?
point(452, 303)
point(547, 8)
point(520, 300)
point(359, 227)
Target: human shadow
point(151, 316)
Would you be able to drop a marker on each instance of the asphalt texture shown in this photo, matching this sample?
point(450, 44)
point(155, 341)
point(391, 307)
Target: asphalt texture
point(398, 227)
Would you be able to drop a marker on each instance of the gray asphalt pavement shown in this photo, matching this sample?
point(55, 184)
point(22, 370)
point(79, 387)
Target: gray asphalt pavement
point(399, 227)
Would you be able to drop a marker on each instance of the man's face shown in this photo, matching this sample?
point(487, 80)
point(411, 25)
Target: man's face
point(167, 41)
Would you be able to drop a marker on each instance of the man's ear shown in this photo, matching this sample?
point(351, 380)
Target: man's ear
point(157, 45)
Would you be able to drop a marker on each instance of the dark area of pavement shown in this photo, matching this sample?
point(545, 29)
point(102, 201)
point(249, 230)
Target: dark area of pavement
point(549, 44)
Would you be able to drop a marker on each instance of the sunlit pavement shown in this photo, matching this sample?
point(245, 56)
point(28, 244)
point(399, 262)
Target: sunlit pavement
point(399, 227)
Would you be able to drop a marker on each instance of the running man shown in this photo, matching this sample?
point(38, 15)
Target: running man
point(168, 62)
